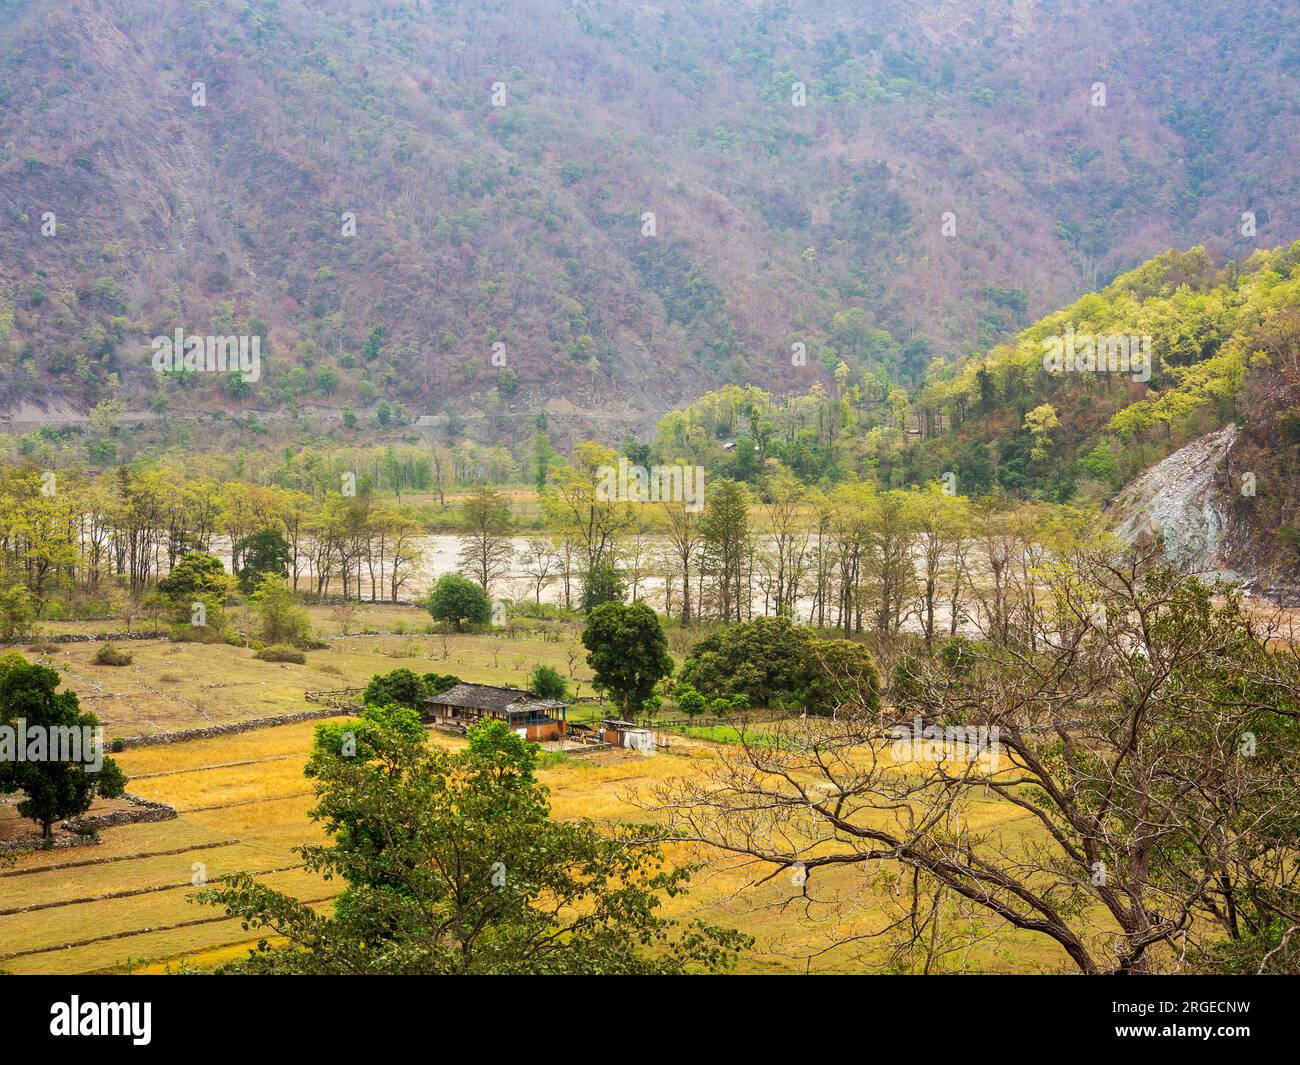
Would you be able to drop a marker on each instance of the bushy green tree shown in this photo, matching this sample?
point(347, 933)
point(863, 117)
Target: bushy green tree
point(844, 675)
point(766, 659)
point(691, 702)
point(774, 662)
point(195, 576)
point(453, 865)
point(602, 584)
point(547, 683)
point(459, 602)
point(628, 651)
point(265, 551)
point(401, 687)
point(55, 789)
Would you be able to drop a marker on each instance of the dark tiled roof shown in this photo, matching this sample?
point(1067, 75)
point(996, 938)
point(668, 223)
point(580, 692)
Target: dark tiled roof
point(537, 704)
point(491, 697)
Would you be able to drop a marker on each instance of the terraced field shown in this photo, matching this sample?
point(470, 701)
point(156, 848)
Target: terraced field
point(243, 804)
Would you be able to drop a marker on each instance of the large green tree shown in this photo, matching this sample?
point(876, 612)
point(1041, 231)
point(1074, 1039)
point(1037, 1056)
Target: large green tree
point(459, 602)
point(56, 784)
point(454, 866)
point(265, 551)
point(628, 651)
point(196, 576)
point(774, 662)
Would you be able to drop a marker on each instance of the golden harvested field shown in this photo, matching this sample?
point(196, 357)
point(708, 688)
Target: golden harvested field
point(251, 815)
point(243, 803)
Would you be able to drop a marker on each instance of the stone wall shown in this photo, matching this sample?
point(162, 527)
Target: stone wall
point(82, 637)
point(84, 831)
point(233, 727)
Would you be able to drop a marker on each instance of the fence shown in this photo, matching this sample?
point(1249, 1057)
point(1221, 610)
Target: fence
point(345, 697)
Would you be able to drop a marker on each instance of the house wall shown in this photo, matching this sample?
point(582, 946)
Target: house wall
point(545, 733)
point(438, 713)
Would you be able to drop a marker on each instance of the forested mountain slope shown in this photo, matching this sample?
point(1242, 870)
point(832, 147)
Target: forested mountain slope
point(136, 200)
point(1179, 348)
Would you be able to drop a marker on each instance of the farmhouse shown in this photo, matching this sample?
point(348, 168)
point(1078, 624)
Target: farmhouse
point(532, 718)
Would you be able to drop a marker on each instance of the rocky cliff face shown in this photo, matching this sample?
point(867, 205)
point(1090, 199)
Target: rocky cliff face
point(1186, 506)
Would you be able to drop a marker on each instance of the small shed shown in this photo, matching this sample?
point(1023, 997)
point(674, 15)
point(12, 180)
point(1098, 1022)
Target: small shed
point(619, 733)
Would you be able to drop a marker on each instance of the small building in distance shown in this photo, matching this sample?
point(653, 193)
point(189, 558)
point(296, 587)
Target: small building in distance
point(627, 734)
point(533, 719)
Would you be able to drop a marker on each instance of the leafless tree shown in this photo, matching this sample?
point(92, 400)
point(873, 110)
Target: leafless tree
point(1135, 805)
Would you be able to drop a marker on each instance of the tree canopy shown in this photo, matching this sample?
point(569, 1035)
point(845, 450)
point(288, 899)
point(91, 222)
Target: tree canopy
point(58, 783)
point(627, 650)
point(453, 865)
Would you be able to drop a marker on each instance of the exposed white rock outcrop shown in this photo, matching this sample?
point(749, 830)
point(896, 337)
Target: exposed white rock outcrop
point(1182, 504)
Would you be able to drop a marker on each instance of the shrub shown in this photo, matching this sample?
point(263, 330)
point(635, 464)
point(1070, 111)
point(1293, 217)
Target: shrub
point(187, 633)
point(108, 655)
point(281, 653)
point(283, 619)
point(546, 683)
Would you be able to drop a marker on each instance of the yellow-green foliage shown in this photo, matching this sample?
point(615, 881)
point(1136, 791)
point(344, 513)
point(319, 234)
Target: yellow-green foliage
point(1205, 325)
